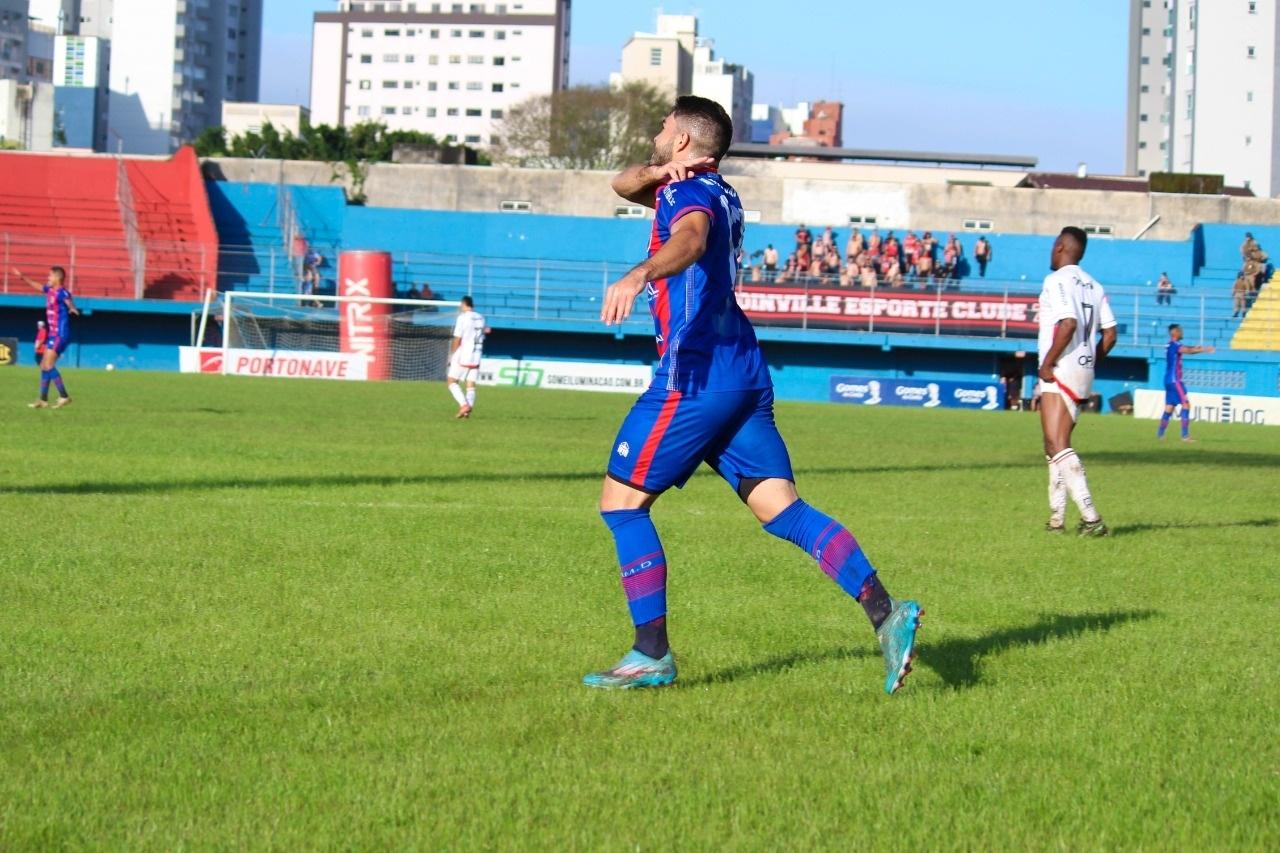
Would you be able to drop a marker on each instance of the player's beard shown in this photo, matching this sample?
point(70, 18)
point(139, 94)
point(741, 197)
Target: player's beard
point(661, 156)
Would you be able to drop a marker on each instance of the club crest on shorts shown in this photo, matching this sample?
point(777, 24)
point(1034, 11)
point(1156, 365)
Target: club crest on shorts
point(624, 450)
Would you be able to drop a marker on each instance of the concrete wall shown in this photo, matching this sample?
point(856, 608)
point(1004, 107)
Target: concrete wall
point(816, 194)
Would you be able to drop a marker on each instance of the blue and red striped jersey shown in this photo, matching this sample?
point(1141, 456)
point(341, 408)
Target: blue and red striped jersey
point(1173, 363)
point(705, 342)
point(56, 312)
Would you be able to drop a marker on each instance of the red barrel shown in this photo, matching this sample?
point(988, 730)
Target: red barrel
point(363, 325)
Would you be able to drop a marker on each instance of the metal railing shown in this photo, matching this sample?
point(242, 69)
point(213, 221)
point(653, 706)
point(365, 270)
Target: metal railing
point(132, 236)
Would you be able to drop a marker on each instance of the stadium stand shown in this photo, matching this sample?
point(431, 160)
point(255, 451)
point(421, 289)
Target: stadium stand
point(123, 228)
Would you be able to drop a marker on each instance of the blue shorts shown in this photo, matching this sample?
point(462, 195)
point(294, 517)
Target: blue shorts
point(668, 435)
point(58, 344)
point(1175, 394)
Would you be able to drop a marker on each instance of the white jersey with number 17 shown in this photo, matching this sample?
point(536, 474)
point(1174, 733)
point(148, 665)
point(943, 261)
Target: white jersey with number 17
point(469, 330)
point(1071, 293)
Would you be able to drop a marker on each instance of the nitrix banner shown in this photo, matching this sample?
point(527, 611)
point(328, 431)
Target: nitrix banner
point(917, 393)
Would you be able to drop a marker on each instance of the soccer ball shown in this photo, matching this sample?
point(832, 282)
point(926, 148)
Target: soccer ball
point(111, 367)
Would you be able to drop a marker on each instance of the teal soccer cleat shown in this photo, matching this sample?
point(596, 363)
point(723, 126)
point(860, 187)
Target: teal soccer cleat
point(635, 670)
point(897, 636)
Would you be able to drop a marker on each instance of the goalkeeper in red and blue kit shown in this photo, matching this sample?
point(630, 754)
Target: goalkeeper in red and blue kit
point(711, 401)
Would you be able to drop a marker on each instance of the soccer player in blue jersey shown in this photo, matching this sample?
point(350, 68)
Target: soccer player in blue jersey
point(1175, 392)
point(58, 308)
point(711, 401)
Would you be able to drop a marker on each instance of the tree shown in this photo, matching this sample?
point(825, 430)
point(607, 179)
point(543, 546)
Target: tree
point(584, 127)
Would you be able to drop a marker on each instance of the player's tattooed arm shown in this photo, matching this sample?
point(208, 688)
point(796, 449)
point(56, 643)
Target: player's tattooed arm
point(639, 183)
point(686, 246)
point(1062, 335)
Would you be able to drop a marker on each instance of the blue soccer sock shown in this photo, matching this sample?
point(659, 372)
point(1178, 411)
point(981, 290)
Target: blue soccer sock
point(44, 384)
point(1164, 424)
point(644, 576)
point(57, 382)
point(1186, 424)
point(837, 553)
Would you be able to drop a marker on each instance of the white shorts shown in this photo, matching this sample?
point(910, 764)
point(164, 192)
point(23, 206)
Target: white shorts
point(1074, 387)
point(468, 373)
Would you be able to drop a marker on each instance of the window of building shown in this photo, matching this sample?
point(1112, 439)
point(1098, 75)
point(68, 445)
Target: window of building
point(1142, 145)
point(475, 34)
point(452, 111)
point(391, 84)
point(977, 224)
point(408, 84)
point(499, 60)
point(432, 85)
point(1248, 96)
point(435, 34)
point(431, 112)
point(500, 35)
point(366, 59)
point(455, 60)
point(475, 86)
point(1145, 88)
point(365, 84)
point(629, 211)
point(390, 57)
point(366, 34)
point(433, 60)
point(1253, 8)
point(475, 60)
point(1099, 230)
point(453, 85)
point(1248, 185)
point(500, 9)
point(497, 87)
point(388, 111)
point(457, 34)
point(362, 111)
point(1146, 60)
point(1251, 51)
point(457, 8)
point(1146, 31)
point(1142, 173)
point(655, 56)
point(512, 206)
point(1248, 140)
point(405, 111)
point(1142, 117)
point(472, 112)
point(1163, 146)
point(391, 33)
point(495, 113)
point(477, 8)
point(473, 139)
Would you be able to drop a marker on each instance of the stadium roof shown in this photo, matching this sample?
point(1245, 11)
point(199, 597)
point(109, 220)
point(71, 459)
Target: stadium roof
point(760, 150)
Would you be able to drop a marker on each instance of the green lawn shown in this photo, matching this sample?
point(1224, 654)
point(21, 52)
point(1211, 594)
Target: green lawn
point(286, 613)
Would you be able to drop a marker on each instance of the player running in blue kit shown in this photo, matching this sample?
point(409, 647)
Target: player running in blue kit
point(1175, 392)
point(711, 401)
point(58, 308)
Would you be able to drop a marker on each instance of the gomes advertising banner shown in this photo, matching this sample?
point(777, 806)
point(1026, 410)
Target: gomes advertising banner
point(985, 314)
point(575, 375)
point(917, 393)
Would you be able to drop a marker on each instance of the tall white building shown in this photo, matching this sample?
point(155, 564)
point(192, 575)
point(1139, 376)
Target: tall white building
point(449, 69)
point(1204, 90)
point(731, 86)
point(173, 63)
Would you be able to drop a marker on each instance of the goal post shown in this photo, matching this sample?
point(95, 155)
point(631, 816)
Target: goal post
point(335, 337)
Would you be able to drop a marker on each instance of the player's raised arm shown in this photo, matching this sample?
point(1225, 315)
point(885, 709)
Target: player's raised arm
point(687, 245)
point(1196, 350)
point(30, 281)
point(639, 183)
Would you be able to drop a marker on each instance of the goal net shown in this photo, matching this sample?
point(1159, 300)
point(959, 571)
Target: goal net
point(335, 337)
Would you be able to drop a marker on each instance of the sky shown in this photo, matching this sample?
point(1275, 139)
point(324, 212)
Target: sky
point(987, 76)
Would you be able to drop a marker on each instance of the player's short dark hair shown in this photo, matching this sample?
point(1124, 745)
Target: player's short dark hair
point(1080, 238)
point(62, 274)
point(707, 122)
point(467, 301)
point(1173, 326)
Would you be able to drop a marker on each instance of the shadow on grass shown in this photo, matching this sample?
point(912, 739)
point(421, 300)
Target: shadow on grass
point(955, 661)
point(1129, 529)
point(128, 487)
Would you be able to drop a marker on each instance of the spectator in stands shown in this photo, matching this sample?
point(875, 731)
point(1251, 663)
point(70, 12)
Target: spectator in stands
point(982, 254)
point(868, 275)
point(804, 259)
point(803, 237)
point(42, 335)
point(910, 252)
point(1164, 290)
point(891, 250)
point(1248, 247)
point(311, 263)
point(924, 266)
point(855, 245)
point(874, 244)
point(1240, 295)
point(828, 237)
point(929, 245)
point(412, 293)
point(770, 263)
point(893, 273)
point(952, 256)
point(790, 271)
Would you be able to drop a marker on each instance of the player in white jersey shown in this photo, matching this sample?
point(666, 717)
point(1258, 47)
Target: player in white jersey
point(464, 355)
point(1073, 309)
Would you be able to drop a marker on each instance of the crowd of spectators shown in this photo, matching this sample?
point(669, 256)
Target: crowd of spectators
point(1253, 273)
point(871, 260)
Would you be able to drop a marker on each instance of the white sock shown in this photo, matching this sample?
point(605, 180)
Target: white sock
point(1057, 495)
point(456, 391)
point(471, 396)
point(1077, 483)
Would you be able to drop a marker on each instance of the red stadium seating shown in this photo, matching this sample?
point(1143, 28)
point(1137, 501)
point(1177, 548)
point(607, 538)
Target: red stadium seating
point(65, 210)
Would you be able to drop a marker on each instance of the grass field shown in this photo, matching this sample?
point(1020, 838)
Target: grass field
point(283, 613)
